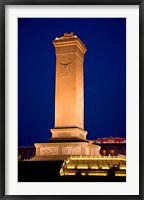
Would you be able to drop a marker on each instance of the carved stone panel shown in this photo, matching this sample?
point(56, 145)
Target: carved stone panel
point(71, 151)
point(76, 151)
point(49, 151)
point(65, 68)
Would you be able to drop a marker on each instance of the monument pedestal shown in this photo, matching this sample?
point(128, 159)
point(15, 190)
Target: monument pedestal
point(66, 142)
point(62, 149)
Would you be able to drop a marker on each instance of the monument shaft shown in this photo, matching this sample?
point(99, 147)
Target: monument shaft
point(69, 95)
point(69, 87)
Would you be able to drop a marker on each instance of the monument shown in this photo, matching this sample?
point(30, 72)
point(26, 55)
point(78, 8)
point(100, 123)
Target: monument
point(68, 135)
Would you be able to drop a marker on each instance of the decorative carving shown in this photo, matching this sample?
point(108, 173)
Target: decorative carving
point(76, 151)
point(65, 68)
point(65, 64)
point(71, 151)
point(66, 151)
point(49, 151)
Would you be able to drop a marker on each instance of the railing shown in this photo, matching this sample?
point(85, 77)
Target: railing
point(99, 157)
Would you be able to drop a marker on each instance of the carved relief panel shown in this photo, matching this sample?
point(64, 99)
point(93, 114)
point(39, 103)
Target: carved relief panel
point(64, 65)
point(65, 68)
point(71, 150)
point(49, 151)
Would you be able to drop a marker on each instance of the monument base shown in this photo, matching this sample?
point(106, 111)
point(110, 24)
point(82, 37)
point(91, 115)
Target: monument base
point(62, 150)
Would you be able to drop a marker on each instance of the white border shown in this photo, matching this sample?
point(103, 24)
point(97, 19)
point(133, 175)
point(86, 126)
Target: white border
point(131, 187)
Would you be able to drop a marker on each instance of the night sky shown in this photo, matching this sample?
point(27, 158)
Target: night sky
point(104, 76)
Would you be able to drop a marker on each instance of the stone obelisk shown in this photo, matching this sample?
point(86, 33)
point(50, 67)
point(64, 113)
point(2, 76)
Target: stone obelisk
point(68, 135)
point(69, 88)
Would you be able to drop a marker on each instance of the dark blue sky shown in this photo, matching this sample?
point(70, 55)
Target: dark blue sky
point(104, 76)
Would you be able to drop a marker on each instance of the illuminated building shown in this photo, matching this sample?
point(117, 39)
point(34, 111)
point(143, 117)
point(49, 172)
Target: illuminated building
point(112, 146)
point(94, 166)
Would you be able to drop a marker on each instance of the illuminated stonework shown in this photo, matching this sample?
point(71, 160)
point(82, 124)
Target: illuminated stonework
point(49, 151)
point(68, 135)
point(69, 94)
point(62, 150)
